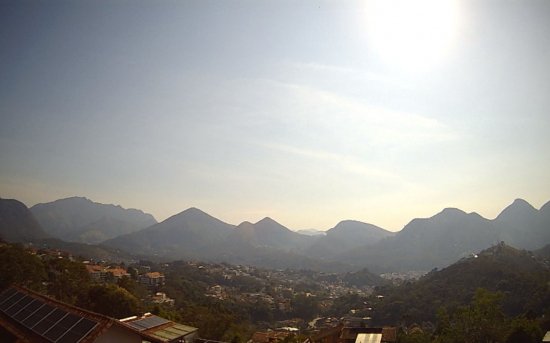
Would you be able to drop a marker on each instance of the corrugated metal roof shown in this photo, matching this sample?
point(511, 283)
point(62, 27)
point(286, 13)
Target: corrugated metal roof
point(369, 338)
point(168, 333)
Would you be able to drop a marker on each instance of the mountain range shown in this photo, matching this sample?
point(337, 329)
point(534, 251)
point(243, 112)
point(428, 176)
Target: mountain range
point(79, 219)
point(422, 244)
point(440, 240)
point(17, 224)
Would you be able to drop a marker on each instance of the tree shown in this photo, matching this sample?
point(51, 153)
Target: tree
point(17, 266)
point(213, 321)
point(137, 290)
point(306, 307)
point(112, 301)
point(414, 337)
point(525, 331)
point(68, 280)
point(481, 321)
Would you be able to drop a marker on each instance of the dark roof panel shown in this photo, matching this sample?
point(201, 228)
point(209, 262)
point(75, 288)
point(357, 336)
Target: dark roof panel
point(33, 317)
point(46, 318)
point(78, 331)
point(147, 323)
point(48, 322)
point(11, 301)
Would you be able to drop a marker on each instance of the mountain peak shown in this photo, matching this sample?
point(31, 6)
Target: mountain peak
point(190, 213)
point(75, 198)
point(353, 230)
point(79, 219)
point(520, 203)
point(17, 224)
point(268, 224)
point(452, 210)
point(267, 220)
point(356, 226)
point(193, 210)
point(519, 207)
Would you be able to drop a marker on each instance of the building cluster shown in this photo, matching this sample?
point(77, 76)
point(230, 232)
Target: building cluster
point(105, 273)
point(274, 288)
point(350, 333)
point(398, 278)
point(347, 330)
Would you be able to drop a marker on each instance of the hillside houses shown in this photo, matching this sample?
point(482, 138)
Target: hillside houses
point(152, 280)
point(101, 274)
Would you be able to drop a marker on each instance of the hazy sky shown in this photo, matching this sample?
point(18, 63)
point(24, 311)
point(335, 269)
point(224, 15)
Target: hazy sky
point(309, 112)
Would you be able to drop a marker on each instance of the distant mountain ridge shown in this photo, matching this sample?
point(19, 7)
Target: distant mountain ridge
point(80, 219)
point(196, 234)
point(345, 236)
point(424, 243)
point(438, 241)
point(17, 224)
point(268, 233)
point(520, 215)
point(189, 234)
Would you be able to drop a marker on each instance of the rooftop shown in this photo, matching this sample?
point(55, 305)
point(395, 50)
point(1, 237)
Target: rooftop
point(162, 329)
point(33, 317)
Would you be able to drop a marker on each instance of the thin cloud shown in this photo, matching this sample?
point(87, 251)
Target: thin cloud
point(350, 164)
point(352, 118)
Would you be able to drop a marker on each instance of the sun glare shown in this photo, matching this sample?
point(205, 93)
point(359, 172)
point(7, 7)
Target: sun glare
point(412, 35)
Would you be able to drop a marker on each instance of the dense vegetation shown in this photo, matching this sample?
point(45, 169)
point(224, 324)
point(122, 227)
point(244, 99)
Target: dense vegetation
point(66, 280)
point(495, 296)
point(500, 295)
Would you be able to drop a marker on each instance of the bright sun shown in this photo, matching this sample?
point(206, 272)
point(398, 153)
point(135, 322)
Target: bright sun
point(413, 35)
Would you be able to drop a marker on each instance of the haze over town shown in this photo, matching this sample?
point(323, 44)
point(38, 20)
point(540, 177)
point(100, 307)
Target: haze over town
point(308, 112)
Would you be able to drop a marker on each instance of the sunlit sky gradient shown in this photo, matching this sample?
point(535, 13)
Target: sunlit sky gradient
point(290, 109)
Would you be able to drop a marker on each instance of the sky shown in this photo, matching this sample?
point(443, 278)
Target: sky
point(309, 112)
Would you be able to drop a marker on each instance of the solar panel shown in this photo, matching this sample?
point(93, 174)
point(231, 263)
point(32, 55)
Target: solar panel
point(61, 327)
point(7, 294)
point(136, 326)
point(12, 300)
point(147, 323)
point(77, 332)
point(27, 311)
point(37, 316)
point(46, 323)
point(52, 323)
point(18, 306)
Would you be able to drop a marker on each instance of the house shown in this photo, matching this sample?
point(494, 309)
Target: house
point(162, 298)
point(152, 279)
point(27, 316)
point(369, 338)
point(269, 336)
point(355, 334)
point(117, 273)
point(162, 329)
point(368, 335)
point(330, 335)
point(97, 273)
